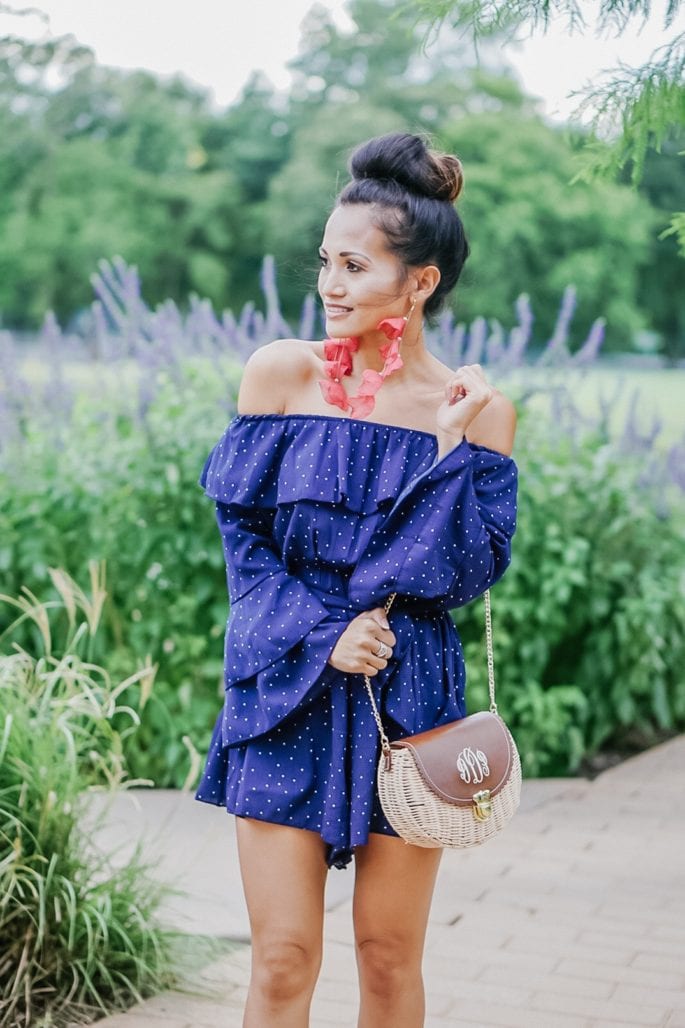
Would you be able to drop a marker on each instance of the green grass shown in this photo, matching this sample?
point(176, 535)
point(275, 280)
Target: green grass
point(660, 393)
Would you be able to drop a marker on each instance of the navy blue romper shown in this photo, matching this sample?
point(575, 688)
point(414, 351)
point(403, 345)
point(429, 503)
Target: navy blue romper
point(322, 517)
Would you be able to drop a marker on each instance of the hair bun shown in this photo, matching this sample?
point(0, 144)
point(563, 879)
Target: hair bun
point(405, 159)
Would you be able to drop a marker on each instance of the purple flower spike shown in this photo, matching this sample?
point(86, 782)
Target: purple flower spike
point(476, 344)
point(519, 337)
point(589, 351)
point(308, 318)
point(494, 346)
point(675, 463)
point(556, 352)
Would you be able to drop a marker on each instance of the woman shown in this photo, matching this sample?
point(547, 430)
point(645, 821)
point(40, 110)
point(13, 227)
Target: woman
point(323, 512)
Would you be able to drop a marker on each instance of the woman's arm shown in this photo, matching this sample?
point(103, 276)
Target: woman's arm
point(279, 635)
point(447, 537)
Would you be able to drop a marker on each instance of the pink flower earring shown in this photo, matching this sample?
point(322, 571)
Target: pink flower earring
point(338, 363)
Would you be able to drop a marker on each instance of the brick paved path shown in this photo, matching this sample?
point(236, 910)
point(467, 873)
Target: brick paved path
point(573, 918)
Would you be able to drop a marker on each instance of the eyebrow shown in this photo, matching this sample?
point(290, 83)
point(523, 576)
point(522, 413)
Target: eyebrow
point(348, 253)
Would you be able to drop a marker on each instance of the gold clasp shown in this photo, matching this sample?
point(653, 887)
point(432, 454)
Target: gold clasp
point(482, 805)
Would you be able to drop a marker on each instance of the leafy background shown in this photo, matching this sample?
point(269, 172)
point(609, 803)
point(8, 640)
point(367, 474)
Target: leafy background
point(104, 461)
point(96, 162)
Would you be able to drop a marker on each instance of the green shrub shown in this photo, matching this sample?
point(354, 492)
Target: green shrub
point(78, 937)
point(131, 497)
point(589, 618)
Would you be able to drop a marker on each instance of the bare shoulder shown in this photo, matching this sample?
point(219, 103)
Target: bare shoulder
point(272, 373)
point(495, 426)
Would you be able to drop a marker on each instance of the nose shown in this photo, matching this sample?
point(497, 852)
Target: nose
point(331, 284)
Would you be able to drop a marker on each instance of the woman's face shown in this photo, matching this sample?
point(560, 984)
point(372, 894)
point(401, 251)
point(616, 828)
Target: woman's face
point(361, 281)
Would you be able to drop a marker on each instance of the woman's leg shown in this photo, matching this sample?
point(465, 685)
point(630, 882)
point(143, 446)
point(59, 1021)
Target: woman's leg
point(392, 896)
point(284, 875)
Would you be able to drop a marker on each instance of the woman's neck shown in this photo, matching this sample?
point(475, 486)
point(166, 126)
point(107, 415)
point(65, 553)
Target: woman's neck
point(413, 352)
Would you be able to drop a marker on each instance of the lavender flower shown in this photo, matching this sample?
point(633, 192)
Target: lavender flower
point(476, 341)
point(519, 336)
point(144, 350)
point(589, 351)
point(557, 352)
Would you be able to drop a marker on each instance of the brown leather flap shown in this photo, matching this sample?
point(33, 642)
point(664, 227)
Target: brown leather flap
point(461, 758)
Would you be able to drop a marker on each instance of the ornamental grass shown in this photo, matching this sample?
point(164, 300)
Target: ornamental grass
point(79, 937)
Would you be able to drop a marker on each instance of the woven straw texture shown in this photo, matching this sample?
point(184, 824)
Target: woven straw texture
point(424, 819)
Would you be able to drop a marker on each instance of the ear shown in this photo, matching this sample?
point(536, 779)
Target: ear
point(425, 282)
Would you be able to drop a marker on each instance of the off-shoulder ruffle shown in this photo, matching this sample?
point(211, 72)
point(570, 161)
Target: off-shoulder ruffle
point(269, 460)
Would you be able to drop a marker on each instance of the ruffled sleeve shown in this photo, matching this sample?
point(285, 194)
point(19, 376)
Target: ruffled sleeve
point(279, 634)
point(447, 537)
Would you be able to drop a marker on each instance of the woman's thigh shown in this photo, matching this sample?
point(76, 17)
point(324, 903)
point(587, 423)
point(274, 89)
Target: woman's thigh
point(284, 872)
point(394, 886)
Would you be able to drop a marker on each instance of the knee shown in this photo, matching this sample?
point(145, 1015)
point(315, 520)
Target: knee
point(283, 969)
point(387, 966)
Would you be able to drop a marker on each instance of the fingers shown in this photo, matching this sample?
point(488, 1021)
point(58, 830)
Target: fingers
point(374, 663)
point(469, 380)
point(374, 633)
point(378, 615)
point(356, 651)
point(372, 657)
point(379, 630)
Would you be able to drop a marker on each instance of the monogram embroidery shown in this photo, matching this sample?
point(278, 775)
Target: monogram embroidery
point(472, 766)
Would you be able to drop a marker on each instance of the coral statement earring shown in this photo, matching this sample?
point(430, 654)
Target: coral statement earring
point(339, 362)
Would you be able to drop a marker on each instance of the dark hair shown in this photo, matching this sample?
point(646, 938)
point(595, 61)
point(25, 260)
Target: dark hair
point(414, 189)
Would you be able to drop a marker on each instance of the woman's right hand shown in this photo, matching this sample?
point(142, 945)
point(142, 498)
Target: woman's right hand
point(355, 650)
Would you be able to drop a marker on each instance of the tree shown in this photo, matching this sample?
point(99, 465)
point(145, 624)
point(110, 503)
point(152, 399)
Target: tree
point(634, 109)
point(660, 290)
point(96, 162)
point(531, 232)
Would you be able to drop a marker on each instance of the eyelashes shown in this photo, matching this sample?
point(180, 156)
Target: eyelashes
point(349, 265)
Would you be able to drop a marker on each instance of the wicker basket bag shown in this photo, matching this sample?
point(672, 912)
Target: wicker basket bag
point(453, 786)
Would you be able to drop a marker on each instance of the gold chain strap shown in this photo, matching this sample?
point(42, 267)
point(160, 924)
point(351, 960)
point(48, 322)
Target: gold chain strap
point(385, 742)
point(491, 660)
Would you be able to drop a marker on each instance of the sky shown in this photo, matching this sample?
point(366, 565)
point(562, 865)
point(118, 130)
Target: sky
point(218, 43)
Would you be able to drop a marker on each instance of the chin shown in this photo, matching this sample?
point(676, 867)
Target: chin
point(339, 328)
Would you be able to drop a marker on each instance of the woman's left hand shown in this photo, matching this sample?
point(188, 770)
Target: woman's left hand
point(466, 393)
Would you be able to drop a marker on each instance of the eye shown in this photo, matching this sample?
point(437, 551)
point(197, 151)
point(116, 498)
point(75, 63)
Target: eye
point(351, 266)
point(323, 260)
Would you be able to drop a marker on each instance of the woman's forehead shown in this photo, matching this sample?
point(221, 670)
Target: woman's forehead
point(352, 228)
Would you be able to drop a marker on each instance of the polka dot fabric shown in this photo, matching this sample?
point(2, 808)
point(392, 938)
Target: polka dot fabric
point(322, 517)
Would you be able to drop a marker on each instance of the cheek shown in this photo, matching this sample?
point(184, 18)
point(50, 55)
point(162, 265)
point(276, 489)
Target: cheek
point(385, 287)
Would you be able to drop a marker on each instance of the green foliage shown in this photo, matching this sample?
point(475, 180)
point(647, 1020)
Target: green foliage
point(308, 184)
point(644, 104)
point(111, 162)
point(532, 227)
point(79, 936)
point(487, 17)
point(660, 281)
point(589, 620)
point(634, 110)
point(131, 497)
